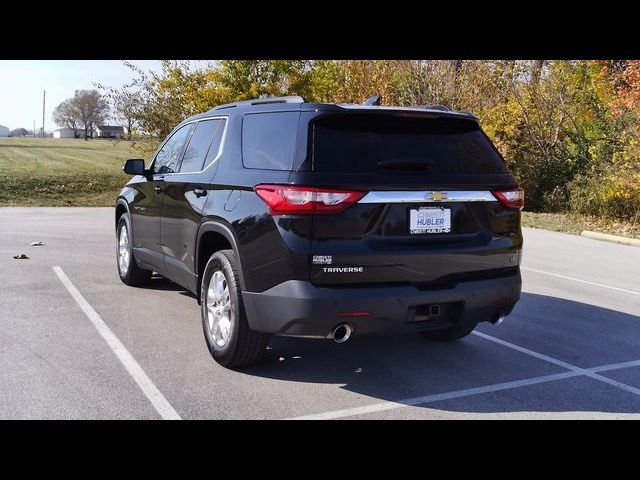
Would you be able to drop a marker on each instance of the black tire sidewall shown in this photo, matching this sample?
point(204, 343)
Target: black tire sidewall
point(218, 262)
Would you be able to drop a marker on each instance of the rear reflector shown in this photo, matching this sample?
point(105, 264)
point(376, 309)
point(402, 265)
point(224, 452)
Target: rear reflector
point(353, 314)
point(295, 200)
point(513, 199)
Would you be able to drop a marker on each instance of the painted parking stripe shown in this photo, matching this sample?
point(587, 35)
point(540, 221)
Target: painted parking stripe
point(573, 279)
point(159, 402)
point(557, 362)
point(415, 401)
point(412, 402)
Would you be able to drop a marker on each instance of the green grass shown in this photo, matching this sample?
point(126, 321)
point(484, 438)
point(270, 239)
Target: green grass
point(66, 172)
point(575, 224)
point(61, 172)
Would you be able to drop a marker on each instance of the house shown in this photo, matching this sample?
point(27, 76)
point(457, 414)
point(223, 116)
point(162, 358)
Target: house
point(108, 131)
point(4, 131)
point(64, 132)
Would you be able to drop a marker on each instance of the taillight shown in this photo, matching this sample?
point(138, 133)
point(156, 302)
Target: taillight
point(513, 199)
point(294, 200)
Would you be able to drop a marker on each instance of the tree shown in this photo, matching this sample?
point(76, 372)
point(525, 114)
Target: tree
point(91, 108)
point(536, 71)
point(18, 132)
point(355, 80)
point(246, 79)
point(165, 98)
point(126, 109)
point(86, 108)
point(66, 114)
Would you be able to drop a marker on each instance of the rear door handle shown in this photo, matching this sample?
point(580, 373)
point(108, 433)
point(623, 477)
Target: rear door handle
point(158, 190)
point(199, 192)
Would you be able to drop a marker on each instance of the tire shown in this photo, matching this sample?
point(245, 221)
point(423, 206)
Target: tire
point(455, 332)
point(130, 274)
point(241, 346)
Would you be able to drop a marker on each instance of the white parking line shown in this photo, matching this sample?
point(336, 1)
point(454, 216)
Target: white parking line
point(559, 363)
point(159, 402)
point(602, 285)
point(412, 402)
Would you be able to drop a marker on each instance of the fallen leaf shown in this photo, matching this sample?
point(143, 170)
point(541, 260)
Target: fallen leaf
point(36, 244)
point(21, 256)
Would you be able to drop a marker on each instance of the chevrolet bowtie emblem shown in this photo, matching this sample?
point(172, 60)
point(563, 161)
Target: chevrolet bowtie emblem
point(437, 196)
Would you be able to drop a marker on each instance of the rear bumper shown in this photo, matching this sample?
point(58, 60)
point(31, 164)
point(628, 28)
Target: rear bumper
point(299, 308)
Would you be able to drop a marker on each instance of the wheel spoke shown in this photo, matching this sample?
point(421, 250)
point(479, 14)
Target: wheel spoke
point(217, 334)
point(219, 309)
point(226, 296)
point(210, 321)
point(123, 250)
point(213, 294)
point(225, 327)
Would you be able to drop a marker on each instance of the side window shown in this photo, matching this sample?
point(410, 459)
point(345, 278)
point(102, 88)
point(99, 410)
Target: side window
point(268, 140)
point(167, 158)
point(216, 143)
point(201, 145)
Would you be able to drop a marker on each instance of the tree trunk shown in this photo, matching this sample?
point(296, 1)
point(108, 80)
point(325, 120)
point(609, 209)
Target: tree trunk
point(536, 71)
point(456, 65)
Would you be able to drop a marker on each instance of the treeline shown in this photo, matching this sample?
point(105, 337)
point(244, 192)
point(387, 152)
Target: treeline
point(568, 129)
point(85, 110)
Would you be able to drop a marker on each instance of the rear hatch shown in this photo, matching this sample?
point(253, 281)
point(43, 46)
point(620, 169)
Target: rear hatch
point(428, 216)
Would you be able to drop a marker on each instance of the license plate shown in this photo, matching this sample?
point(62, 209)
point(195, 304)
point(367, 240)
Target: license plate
point(429, 220)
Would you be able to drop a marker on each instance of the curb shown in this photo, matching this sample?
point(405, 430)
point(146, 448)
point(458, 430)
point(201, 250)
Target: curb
point(610, 238)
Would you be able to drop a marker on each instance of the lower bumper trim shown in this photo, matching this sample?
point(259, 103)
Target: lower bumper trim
point(300, 308)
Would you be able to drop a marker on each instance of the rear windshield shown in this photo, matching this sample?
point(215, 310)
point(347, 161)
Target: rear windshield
point(363, 143)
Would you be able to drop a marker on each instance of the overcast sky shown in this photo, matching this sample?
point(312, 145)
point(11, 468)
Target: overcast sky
point(22, 83)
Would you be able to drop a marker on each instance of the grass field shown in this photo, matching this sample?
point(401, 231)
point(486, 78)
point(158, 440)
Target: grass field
point(58, 172)
point(61, 172)
point(571, 223)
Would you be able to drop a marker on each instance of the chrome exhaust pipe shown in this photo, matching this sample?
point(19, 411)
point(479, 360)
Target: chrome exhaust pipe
point(498, 317)
point(341, 333)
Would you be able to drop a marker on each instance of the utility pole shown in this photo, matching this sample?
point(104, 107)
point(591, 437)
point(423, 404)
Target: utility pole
point(44, 94)
point(34, 129)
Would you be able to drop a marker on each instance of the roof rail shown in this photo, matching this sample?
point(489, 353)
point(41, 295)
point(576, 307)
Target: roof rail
point(289, 99)
point(263, 101)
point(436, 106)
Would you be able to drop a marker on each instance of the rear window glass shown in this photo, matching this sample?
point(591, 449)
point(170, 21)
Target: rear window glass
point(268, 140)
point(361, 143)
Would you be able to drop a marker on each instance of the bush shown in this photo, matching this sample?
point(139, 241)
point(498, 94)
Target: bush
point(613, 195)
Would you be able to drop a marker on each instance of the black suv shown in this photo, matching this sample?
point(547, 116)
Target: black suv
point(325, 220)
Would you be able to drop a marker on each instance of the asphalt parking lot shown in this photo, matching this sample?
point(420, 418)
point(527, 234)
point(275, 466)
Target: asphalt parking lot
point(77, 343)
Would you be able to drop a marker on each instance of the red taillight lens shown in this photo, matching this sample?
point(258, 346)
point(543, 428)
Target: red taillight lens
point(513, 199)
point(294, 200)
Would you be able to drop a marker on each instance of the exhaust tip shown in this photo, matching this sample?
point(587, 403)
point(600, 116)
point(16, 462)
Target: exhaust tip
point(498, 317)
point(341, 333)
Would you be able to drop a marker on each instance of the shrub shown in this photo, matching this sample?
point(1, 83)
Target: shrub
point(613, 195)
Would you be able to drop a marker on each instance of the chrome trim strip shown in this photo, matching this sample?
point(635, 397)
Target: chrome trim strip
point(416, 196)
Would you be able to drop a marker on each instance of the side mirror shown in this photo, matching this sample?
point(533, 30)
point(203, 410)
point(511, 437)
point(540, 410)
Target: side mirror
point(134, 166)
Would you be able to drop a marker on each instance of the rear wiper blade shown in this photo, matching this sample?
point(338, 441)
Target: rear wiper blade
point(406, 164)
